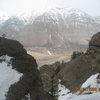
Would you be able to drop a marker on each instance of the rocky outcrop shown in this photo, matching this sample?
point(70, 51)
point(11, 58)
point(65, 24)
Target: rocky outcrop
point(81, 68)
point(49, 75)
point(11, 48)
point(74, 73)
point(30, 85)
point(95, 41)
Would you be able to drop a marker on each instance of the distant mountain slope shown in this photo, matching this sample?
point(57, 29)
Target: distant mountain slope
point(54, 28)
point(11, 27)
point(60, 28)
point(3, 17)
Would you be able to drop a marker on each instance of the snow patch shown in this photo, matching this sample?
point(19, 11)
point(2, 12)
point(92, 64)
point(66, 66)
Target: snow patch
point(91, 82)
point(95, 96)
point(28, 96)
point(8, 76)
point(49, 53)
point(62, 92)
point(5, 58)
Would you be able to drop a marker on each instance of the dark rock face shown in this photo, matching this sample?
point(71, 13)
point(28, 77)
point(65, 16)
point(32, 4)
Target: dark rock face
point(95, 41)
point(11, 47)
point(49, 75)
point(30, 83)
point(81, 68)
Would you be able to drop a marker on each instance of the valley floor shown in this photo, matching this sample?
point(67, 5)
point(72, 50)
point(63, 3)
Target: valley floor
point(47, 56)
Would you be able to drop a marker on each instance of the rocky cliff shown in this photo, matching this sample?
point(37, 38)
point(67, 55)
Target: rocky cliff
point(19, 76)
point(81, 68)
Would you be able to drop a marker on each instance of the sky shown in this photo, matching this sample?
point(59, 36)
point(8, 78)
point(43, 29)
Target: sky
point(13, 7)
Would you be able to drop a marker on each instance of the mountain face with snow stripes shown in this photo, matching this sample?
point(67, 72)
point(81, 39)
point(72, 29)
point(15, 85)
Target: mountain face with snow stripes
point(55, 28)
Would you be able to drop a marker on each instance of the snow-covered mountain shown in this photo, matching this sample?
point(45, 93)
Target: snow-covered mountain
point(3, 18)
point(56, 27)
point(60, 27)
point(98, 19)
point(11, 27)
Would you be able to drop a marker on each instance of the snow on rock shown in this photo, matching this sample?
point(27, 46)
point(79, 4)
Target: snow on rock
point(8, 76)
point(91, 82)
point(28, 97)
point(62, 92)
point(95, 96)
point(5, 58)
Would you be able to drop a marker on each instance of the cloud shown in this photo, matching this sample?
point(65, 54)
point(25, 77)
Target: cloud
point(18, 6)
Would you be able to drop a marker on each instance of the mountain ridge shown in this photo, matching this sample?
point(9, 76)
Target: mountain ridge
point(55, 28)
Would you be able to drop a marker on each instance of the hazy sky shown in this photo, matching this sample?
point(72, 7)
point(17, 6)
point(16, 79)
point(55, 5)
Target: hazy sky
point(11, 7)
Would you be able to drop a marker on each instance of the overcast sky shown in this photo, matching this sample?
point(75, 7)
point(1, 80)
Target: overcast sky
point(12, 7)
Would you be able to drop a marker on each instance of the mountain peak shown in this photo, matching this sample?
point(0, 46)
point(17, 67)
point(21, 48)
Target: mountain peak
point(64, 12)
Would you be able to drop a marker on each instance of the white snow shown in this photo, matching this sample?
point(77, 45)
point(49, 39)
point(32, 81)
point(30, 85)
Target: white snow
point(95, 96)
point(8, 76)
point(62, 92)
point(64, 12)
point(5, 58)
point(91, 82)
point(49, 53)
point(28, 97)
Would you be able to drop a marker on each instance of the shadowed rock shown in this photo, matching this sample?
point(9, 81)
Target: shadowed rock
point(11, 47)
point(95, 41)
point(30, 83)
point(81, 68)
